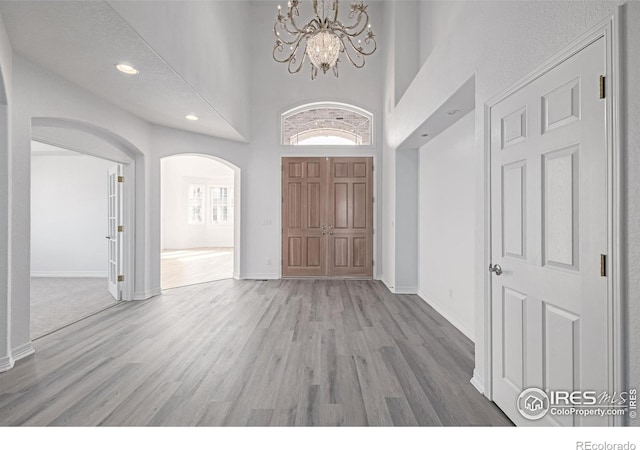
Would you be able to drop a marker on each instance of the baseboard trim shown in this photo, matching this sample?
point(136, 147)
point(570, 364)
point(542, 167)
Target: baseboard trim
point(388, 285)
point(22, 351)
point(6, 363)
point(69, 274)
point(447, 315)
point(146, 295)
point(260, 276)
point(477, 382)
point(406, 290)
point(237, 276)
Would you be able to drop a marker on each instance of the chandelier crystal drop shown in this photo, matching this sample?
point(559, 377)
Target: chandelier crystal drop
point(324, 38)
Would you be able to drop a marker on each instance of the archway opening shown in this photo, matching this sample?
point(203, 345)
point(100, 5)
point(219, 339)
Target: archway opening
point(83, 190)
point(199, 220)
point(70, 263)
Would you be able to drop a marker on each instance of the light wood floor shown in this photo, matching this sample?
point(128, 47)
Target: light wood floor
point(286, 352)
point(195, 265)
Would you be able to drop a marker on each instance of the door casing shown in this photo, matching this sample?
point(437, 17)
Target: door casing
point(333, 154)
point(609, 30)
point(128, 219)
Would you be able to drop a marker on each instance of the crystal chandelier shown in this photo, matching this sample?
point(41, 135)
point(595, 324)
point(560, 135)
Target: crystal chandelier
point(323, 38)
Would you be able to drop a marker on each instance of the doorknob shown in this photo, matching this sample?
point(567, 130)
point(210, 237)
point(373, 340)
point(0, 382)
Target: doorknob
point(495, 268)
point(324, 227)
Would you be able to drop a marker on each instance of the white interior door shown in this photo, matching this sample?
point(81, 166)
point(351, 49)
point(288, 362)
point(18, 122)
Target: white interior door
point(114, 237)
point(549, 230)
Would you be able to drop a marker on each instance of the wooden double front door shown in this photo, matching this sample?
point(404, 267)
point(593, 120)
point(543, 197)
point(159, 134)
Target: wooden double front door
point(327, 217)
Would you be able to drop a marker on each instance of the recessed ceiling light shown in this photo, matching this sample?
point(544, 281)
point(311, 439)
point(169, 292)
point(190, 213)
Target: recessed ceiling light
point(453, 112)
point(191, 117)
point(126, 68)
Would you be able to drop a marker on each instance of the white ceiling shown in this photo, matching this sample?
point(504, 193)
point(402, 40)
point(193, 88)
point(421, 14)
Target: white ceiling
point(83, 40)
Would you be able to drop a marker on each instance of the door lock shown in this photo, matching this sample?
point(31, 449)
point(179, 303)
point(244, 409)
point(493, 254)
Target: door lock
point(495, 268)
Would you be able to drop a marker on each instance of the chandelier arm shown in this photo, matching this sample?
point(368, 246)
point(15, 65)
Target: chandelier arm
point(279, 47)
point(293, 61)
point(346, 52)
point(367, 41)
point(296, 27)
point(292, 36)
point(351, 30)
point(336, 7)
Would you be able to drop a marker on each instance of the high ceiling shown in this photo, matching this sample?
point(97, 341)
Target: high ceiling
point(83, 40)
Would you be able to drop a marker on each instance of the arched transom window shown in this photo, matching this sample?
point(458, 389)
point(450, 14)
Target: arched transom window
point(327, 124)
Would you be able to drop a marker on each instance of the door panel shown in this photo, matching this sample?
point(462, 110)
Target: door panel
point(304, 215)
point(548, 225)
point(351, 218)
point(114, 240)
point(327, 217)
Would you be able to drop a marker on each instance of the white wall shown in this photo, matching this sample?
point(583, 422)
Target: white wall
point(68, 214)
point(446, 224)
point(5, 139)
point(37, 93)
point(500, 42)
point(406, 225)
point(177, 174)
point(274, 91)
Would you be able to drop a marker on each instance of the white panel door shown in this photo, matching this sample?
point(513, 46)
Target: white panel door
point(548, 225)
point(114, 237)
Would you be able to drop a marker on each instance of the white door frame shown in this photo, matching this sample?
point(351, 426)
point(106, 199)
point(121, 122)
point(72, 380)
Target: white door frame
point(609, 30)
point(331, 152)
point(129, 219)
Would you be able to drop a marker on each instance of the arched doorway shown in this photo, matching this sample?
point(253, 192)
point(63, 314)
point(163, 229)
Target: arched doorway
point(200, 223)
point(83, 189)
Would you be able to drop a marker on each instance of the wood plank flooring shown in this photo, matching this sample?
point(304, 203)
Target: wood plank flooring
point(195, 265)
point(251, 353)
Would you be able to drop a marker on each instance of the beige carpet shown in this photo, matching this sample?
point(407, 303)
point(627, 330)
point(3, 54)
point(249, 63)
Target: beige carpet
point(56, 302)
point(195, 265)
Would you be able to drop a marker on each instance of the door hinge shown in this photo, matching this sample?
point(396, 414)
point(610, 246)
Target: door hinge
point(120, 278)
point(603, 265)
point(602, 84)
point(120, 179)
point(120, 228)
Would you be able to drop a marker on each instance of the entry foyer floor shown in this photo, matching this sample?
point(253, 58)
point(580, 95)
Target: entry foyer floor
point(285, 352)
